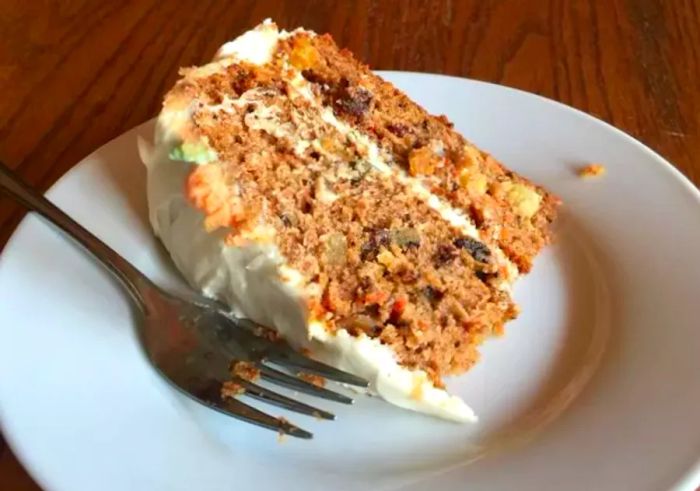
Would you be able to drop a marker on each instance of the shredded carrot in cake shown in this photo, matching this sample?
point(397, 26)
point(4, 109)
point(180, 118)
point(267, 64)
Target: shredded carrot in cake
point(206, 188)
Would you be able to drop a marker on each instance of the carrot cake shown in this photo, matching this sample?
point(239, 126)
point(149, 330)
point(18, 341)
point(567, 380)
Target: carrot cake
point(316, 198)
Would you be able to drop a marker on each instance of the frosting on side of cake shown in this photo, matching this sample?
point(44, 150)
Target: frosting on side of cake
point(253, 278)
point(246, 278)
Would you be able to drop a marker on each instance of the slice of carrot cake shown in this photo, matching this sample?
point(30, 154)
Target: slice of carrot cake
point(316, 198)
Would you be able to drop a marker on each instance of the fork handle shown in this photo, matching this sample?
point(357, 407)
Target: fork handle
point(129, 276)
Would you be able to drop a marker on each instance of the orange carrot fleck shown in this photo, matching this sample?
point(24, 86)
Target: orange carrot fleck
point(399, 305)
point(378, 297)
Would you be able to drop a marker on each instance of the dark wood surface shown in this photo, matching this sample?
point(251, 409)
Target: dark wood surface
point(75, 74)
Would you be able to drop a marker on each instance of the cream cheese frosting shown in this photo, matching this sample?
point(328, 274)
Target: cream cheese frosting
point(254, 278)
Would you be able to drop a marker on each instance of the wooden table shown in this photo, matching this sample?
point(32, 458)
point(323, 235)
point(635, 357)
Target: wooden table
point(75, 74)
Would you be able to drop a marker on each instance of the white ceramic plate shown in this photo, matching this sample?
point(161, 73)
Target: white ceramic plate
point(595, 386)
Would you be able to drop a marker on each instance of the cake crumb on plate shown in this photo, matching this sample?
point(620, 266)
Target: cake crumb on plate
point(592, 170)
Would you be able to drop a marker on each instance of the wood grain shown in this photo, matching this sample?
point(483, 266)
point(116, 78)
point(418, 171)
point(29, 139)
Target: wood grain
point(75, 74)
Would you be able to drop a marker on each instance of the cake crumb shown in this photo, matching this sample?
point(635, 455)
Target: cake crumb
point(592, 170)
point(313, 379)
point(281, 435)
point(246, 370)
point(231, 389)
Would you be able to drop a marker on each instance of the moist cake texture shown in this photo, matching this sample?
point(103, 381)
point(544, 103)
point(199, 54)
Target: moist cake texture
point(317, 198)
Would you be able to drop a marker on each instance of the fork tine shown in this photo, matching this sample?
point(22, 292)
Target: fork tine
point(271, 397)
point(237, 409)
point(284, 355)
point(290, 359)
point(275, 376)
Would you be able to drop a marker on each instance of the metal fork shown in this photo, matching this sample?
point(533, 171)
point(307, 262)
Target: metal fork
point(193, 341)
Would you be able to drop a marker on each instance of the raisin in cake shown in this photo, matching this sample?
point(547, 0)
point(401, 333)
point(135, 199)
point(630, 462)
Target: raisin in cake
point(316, 198)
